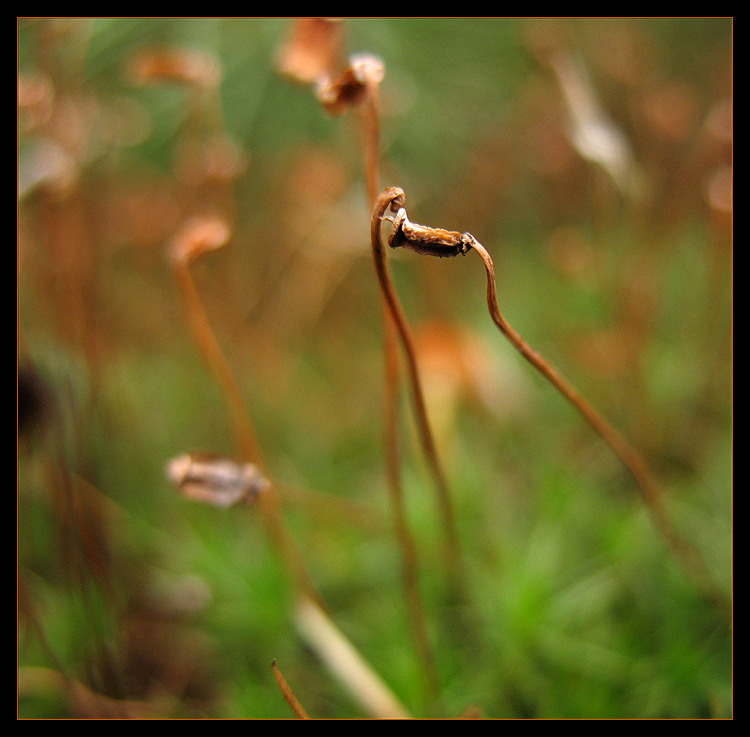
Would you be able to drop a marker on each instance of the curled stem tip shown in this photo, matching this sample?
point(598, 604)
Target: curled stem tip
point(438, 242)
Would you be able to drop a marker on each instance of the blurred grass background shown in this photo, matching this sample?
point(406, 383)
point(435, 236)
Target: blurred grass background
point(579, 609)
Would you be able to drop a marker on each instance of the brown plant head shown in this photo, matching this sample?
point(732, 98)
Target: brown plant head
point(350, 88)
point(216, 480)
point(198, 236)
point(313, 50)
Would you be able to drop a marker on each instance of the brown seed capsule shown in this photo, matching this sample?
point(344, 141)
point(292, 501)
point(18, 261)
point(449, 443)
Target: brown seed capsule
point(425, 240)
point(216, 480)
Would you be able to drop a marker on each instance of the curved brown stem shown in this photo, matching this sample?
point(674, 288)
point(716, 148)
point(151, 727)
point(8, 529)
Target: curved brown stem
point(443, 243)
point(691, 561)
point(630, 458)
point(407, 545)
point(394, 198)
point(209, 347)
point(268, 502)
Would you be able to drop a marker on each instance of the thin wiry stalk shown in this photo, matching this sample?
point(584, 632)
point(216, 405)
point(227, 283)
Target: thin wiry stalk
point(443, 243)
point(357, 87)
point(213, 355)
point(404, 537)
point(248, 445)
point(286, 690)
point(691, 561)
point(324, 636)
point(387, 199)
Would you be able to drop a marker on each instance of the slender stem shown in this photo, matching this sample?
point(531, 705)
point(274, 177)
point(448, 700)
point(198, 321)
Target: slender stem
point(249, 447)
point(312, 620)
point(371, 118)
point(288, 694)
point(390, 198)
point(444, 243)
point(407, 545)
point(213, 355)
point(631, 459)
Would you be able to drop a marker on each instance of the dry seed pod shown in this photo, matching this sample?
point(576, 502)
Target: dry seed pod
point(312, 51)
point(425, 240)
point(350, 87)
point(216, 480)
point(199, 235)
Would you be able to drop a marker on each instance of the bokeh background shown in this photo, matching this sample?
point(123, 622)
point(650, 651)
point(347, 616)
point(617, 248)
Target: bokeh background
point(591, 157)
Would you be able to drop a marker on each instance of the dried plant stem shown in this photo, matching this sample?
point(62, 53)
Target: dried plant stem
point(249, 447)
point(444, 243)
point(214, 357)
point(384, 201)
point(315, 625)
point(689, 558)
point(312, 620)
point(286, 690)
point(404, 537)
point(346, 663)
point(407, 545)
point(371, 126)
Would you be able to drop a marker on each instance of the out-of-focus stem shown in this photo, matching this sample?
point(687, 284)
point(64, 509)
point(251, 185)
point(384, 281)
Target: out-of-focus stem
point(407, 546)
point(213, 355)
point(345, 663)
point(249, 447)
point(312, 621)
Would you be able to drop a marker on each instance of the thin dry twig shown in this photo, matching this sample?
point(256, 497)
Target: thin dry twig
point(437, 242)
point(286, 690)
point(345, 663)
point(651, 493)
point(311, 57)
point(197, 238)
point(393, 198)
point(325, 637)
point(371, 72)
